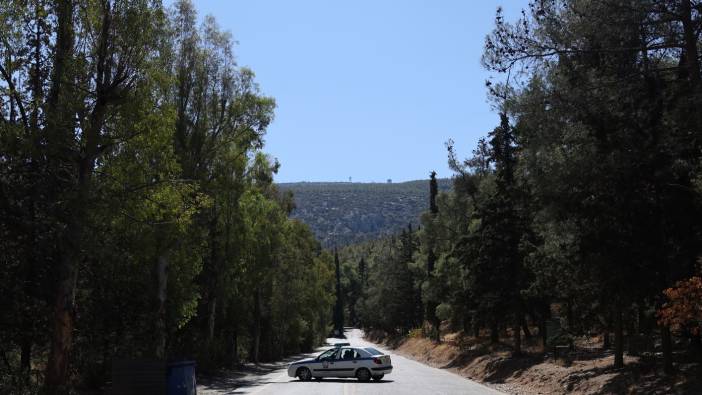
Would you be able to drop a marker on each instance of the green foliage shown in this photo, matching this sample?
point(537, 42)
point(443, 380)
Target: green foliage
point(585, 197)
point(138, 218)
point(444, 311)
point(389, 297)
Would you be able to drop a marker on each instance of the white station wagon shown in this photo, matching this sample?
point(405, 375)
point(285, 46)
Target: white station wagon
point(343, 361)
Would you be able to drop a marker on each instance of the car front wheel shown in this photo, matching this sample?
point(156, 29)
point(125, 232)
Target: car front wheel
point(363, 375)
point(304, 374)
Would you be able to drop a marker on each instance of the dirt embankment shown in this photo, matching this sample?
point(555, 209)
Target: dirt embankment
point(588, 371)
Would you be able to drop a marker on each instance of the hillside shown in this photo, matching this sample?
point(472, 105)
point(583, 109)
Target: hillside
point(344, 212)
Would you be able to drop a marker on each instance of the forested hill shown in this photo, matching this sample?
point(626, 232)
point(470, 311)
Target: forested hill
point(347, 212)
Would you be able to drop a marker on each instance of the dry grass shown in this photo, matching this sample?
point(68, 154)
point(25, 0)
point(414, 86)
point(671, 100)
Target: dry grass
point(590, 371)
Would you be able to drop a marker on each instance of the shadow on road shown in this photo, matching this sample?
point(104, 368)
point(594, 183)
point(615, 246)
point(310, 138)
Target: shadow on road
point(226, 382)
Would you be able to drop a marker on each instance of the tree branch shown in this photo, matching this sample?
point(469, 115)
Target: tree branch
point(16, 97)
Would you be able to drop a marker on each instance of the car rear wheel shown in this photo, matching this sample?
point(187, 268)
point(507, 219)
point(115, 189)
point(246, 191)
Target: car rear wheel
point(363, 375)
point(304, 374)
point(378, 378)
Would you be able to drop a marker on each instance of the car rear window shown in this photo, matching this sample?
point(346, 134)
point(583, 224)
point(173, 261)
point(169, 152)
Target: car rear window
point(373, 351)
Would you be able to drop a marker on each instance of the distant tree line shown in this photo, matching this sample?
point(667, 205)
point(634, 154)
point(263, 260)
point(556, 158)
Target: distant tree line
point(586, 197)
point(342, 213)
point(138, 218)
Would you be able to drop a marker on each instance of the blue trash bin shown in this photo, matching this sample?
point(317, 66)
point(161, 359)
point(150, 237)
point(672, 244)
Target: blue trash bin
point(181, 378)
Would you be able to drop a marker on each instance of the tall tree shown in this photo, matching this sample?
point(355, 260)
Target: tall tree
point(339, 305)
point(77, 136)
point(431, 303)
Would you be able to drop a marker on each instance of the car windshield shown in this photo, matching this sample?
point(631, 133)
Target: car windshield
point(327, 354)
point(373, 351)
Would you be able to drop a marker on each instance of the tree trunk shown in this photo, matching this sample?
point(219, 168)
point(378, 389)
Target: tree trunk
point(494, 333)
point(70, 256)
point(667, 345)
point(62, 335)
point(642, 327)
point(235, 349)
point(162, 280)
point(430, 313)
point(339, 305)
point(62, 317)
point(569, 316)
point(543, 332)
point(211, 317)
point(433, 320)
point(618, 339)
point(212, 278)
point(696, 346)
point(61, 123)
point(26, 354)
point(64, 300)
point(525, 328)
point(606, 340)
point(26, 318)
point(543, 329)
point(517, 333)
point(257, 326)
point(690, 44)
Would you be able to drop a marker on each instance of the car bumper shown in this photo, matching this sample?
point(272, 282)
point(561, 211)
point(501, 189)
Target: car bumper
point(292, 370)
point(381, 370)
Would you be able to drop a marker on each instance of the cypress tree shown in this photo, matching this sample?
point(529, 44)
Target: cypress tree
point(362, 272)
point(339, 307)
point(430, 310)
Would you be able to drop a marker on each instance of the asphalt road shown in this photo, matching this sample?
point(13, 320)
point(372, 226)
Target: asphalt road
point(407, 377)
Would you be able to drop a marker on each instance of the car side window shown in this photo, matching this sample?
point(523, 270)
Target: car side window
point(331, 354)
point(347, 353)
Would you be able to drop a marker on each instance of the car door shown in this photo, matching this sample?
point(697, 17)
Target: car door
point(325, 366)
point(346, 362)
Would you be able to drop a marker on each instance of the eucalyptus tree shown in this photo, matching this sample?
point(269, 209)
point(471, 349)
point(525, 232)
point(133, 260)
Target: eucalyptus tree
point(137, 210)
point(94, 63)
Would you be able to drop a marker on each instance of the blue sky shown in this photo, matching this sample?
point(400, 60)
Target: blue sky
point(368, 89)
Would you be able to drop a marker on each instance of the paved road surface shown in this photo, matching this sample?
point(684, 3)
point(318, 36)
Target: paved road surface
point(407, 377)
